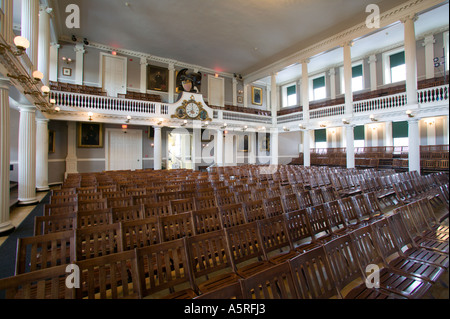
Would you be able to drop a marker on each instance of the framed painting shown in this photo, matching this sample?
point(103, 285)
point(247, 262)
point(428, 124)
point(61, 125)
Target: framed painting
point(90, 135)
point(51, 141)
point(158, 78)
point(67, 71)
point(257, 95)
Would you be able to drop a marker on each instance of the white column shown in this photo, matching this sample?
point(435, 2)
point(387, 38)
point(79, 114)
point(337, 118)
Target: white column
point(348, 79)
point(54, 62)
point(5, 222)
point(428, 43)
point(79, 63)
point(44, 43)
point(414, 145)
point(307, 148)
point(157, 153)
point(42, 155)
point(143, 88)
point(373, 72)
point(235, 92)
point(219, 148)
point(332, 74)
point(274, 146)
point(30, 28)
point(71, 159)
point(9, 17)
point(389, 140)
point(273, 96)
point(350, 141)
point(171, 83)
point(252, 148)
point(305, 90)
point(446, 129)
point(410, 59)
point(27, 155)
point(197, 144)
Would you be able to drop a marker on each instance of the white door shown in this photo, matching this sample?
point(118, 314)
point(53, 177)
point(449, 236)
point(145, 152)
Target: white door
point(123, 150)
point(114, 74)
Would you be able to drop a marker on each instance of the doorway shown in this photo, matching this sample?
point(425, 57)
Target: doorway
point(179, 149)
point(113, 74)
point(123, 149)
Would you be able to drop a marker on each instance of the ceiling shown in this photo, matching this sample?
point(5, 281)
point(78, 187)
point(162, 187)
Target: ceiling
point(231, 36)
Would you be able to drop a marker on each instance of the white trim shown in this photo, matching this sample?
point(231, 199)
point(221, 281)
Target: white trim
point(91, 159)
point(446, 47)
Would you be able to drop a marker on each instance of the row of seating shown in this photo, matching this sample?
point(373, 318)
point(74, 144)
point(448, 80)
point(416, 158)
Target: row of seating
point(82, 89)
point(321, 271)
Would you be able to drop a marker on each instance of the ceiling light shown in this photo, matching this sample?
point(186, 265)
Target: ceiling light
point(45, 89)
point(38, 76)
point(21, 43)
point(57, 109)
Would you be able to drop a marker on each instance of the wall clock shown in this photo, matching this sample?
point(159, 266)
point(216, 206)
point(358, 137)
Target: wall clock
point(191, 109)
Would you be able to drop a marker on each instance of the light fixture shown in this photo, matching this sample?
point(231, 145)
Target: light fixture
point(128, 119)
point(45, 89)
point(57, 109)
point(67, 60)
point(333, 131)
point(124, 126)
point(85, 41)
point(185, 122)
point(206, 124)
point(38, 76)
point(409, 113)
point(21, 43)
point(245, 128)
point(286, 129)
point(74, 38)
point(372, 118)
point(301, 126)
point(160, 121)
point(90, 115)
point(52, 101)
point(224, 125)
point(323, 125)
point(345, 121)
point(429, 122)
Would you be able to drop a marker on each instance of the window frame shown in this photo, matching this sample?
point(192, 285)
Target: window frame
point(312, 97)
point(285, 97)
point(387, 64)
point(341, 74)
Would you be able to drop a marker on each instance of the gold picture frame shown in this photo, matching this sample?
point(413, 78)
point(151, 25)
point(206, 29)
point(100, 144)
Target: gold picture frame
point(158, 78)
point(90, 135)
point(257, 95)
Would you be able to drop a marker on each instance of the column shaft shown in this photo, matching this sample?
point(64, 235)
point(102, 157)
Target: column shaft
point(410, 60)
point(348, 74)
point(350, 141)
point(157, 154)
point(307, 148)
point(305, 90)
point(414, 145)
point(219, 150)
point(42, 155)
point(30, 28)
point(44, 43)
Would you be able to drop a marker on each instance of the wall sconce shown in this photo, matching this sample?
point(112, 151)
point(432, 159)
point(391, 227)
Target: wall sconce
point(373, 119)
point(375, 127)
point(262, 128)
point(301, 126)
point(67, 60)
point(205, 124)
point(37, 76)
point(160, 121)
point(245, 128)
point(333, 131)
point(128, 119)
point(57, 109)
point(323, 125)
point(90, 115)
point(52, 101)
point(152, 145)
point(185, 122)
point(286, 129)
point(429, 122)
point(409, 113)
point(21, 43)
point(45, 89)
point(224, 126)
point(345, 121)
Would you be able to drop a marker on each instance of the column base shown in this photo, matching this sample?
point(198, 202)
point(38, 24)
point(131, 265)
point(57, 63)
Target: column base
point(7, 229)
point(42, 189)
point(28, 202)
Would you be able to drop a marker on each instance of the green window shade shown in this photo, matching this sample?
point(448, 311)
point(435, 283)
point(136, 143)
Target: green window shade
point(291, 90)
point(397, 59)
point(357, 71)
point(320, 135)
point(400, 129)
point(359, 133)
point(319, 83)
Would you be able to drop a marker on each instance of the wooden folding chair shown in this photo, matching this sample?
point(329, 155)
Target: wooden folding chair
point(63, 199)
point(336, 218)
point(45, 251)
point(300, 231)
point(96, 241)
point(94, 218)
point(274, 206)
point(424, 229)
point(182, 205)
point(128, 213)
point(232, 215)
point(162, 269)
point(126, 201)
point(320, 226)
point(57, 209)
point(430, 218)
point(140, 233)
point(254, 210)
point(48, 283)
point(225, 199)
point(206, 220)
point(44, 225)
point(232, 291)
point(176, 226)
point(351, 213)
point(273, 283)
point(290, 203)
point(210, 260)
point(157, 209)
point(205, 202)
point(90, 205)
point(304, 199)
point(113, 276)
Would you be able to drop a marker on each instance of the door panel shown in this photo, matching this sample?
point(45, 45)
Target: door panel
point(124, 150)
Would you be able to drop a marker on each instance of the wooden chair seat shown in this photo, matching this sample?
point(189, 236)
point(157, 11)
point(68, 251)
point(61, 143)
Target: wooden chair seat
point(218, 282)
point(232, 291)
point(254, 268)
point(182, 294)
point(362, 292)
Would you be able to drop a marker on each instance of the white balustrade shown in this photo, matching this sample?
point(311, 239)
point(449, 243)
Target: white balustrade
point(327, 111)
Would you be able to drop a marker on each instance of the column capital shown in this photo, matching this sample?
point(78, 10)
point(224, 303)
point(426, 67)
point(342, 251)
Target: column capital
point(171, 67)
point(157, 128)
point(347, 44)
point(429, 39)
point(143, 61)
point(332, 72)
point(5, 84)
point(42, 120)
point(55, 45)
point(45, 9)
point(27, 108)
point(372, 58)
point(79, 48)
point(305, 61)
point(410, 17)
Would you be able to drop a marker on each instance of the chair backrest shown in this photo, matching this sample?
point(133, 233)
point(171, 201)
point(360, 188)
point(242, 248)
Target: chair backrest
point(366, 247)
point(140, 233)
point(335, 215)
point(144, 199)
point(113, 276)
point(176, 226)
point(418, 218)
point(225, 199)
point(373, 204)
point(128, 213)
point(206, 220)
point(157, 209)
point(316, 196)
point(45, 251)
point(329, 194)
point(290, 203)
point(90, 196)
point(318, 220)
point(343, 259)
point(94, 204)
point(254, 210)
point(404, 239)
point(363, 209)
point(232, 215)
point(313, 274)
point(427, 212)
point(243, 196)
point(94, 218)
point(163, 266)
point(304, 199)
point(166, 196)
point(208, 253)
point(57, 209)
point(205, 202)
point(63, 198)
point(274, 234)
point(39, 284)
point(407, 220)
point(182, 205)
point(386, 239)
point(44, 225)
point(273, 283)
point(96, 241)
point(274, 206)
point(244, 242)
point(120, 201)
point(298, 226)
point(232, 291)
point(349, 210)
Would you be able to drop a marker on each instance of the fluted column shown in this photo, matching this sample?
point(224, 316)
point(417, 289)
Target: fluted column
point(79, 63)
point(44, 43)
point(71, 159)
point(5, 223)
point(414, 145)
point(307, 148)
point(332, 74)
point(348, 78)
point(171, 83)
point(9, 17)
point(27, 155)
point(305, 90)
point(54, 62)
point(428, 43)
point(219, 148)
point(235, 82)
point(157, 153)
point(273, 96)
point(30, 28)
point(410, 59)
point(373, 72)
point(42, 155)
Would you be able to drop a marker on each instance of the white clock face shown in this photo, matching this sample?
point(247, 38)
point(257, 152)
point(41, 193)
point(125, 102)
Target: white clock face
point(192, 110)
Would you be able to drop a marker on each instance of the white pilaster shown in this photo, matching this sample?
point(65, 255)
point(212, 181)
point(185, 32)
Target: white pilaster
point(8, 25)
point(410, 59)
point(157, 153)
point(274, 146)
point(144, 63)
point(235, 92)
point(79, 64)
point(71, 159)
point(246, 89)
point(307, 148)
point(171, 83)
point(30, 28)
point(428, 43)
point(414, 145)
point(252, 148)
point(373, 72)
point(350, 141)
point(44, 43)
point(5, 222)
point(305, 90)
point(332, 74)
point(389, 140)
point(219, 148)
point(273, 94)
point(197, 144)
point(54, 62)
point(42, 155)
point(27, 155)
point(348, 79)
